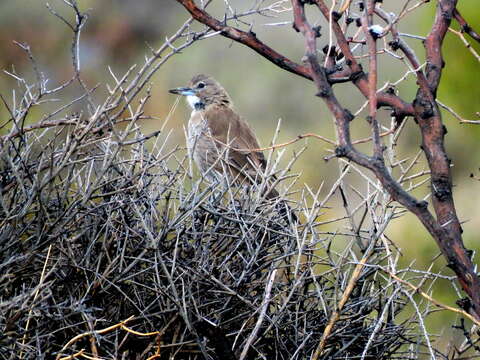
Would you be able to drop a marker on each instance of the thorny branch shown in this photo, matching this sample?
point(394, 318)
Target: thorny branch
point(249, 39)
point(444, 227)
point(100, 223)
point(465, 27)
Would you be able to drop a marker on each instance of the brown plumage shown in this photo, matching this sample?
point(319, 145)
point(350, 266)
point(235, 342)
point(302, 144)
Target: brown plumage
point(219, 140)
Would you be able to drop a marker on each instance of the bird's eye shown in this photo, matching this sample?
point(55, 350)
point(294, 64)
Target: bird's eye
point(201, 85)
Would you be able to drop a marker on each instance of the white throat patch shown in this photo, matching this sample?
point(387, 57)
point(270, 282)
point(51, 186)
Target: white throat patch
point(193, 101)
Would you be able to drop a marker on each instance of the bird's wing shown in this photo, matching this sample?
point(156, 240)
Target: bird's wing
point(234, 136)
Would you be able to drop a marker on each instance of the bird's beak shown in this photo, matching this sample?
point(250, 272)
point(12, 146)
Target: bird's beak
point(186, 91)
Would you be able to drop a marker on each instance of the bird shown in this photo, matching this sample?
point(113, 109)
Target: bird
point(220, 141)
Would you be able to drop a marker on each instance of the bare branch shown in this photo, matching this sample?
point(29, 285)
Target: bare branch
point(465, 27)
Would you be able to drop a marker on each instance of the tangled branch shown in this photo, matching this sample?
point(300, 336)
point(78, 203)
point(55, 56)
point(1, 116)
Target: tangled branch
point(103, 226)
point(445, 227)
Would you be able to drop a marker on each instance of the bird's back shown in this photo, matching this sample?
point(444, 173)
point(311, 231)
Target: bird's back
point(220, 140)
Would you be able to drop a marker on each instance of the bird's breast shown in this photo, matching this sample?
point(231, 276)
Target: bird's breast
point(197, 128)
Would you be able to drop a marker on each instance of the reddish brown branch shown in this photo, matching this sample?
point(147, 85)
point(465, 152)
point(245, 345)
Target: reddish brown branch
point(247, 38)
point(433, 132)
point(434, 41)
point(342, 116)
point(342, 121)
point(399, 43)
point(372, 77)
point(465, 27)
point(428, 116)
point(400, 108)
point(446, 228)
point(346, 149)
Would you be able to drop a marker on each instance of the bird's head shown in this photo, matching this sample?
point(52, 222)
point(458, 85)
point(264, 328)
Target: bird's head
point(202, 91)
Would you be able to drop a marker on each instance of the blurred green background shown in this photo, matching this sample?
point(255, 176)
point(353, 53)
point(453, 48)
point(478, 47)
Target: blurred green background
point(117, 33)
